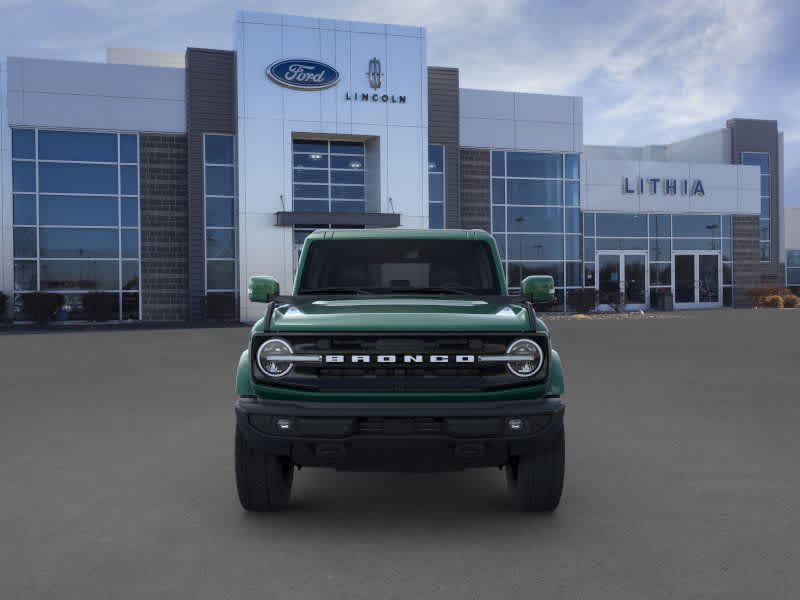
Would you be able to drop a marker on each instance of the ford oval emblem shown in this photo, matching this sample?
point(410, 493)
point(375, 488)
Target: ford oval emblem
point(303, 74)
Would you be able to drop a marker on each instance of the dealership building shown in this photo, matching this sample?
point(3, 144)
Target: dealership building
point(167, 180)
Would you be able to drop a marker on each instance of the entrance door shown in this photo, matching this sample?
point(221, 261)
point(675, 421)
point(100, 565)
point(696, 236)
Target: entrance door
point(622, 280)
point(697, 279)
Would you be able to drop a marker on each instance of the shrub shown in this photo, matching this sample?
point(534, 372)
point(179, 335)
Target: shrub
point(773, 301)
point(99, 306)
point(41, 306)
point(790, 301)
point(758, 295)
point(3, 306)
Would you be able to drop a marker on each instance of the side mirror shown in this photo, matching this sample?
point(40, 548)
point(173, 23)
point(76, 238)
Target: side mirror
point(540, 289)
point(262, 288)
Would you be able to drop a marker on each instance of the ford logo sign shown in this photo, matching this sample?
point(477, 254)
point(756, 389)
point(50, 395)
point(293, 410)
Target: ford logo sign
point(303, 74)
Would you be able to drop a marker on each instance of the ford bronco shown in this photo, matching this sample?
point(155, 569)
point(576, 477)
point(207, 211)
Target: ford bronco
point(400, 350)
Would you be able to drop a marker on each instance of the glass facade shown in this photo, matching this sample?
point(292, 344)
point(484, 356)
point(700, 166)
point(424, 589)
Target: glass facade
point(76, 219)
point(436, 186)
point(219, 157)
point(660, 235)
point(793, 268)
point(761, 160)
point(328, 176)
point(536, 217)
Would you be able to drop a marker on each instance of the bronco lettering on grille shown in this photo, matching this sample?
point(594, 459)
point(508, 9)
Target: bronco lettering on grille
point(399, 358)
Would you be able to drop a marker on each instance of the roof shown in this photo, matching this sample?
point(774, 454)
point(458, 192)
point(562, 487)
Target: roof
point(399, 233)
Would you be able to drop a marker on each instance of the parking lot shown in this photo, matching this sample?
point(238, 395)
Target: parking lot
point(683, 444)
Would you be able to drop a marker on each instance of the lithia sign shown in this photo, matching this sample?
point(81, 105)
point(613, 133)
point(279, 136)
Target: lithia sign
point(667, 186)
point(306, 74)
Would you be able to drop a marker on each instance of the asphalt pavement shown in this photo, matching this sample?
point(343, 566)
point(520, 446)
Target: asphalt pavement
point(683, 477)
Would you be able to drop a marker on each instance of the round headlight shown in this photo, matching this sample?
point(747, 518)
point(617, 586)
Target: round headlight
point(266, 357)
point(530, 358)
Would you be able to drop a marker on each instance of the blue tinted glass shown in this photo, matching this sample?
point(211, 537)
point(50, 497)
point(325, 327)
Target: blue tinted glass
point(219, 149)
point(77, 179)
point(588, 272)
point(357, 177)
point(23, 176)
point(219, 212)
point(129, 180)
point(220, 274)
point(763, 228)
point(309, 146)
point(219, 181)
point(130, 212)
point(498, 191)
point(727, 249)
point(793, 277)
point(78, 243)
point(765, 250)
point(573, 274)
point(80, 275)
point(310, 191)
point(130, 243)
point(696, 225)
point(572, 220)
point(530, 164)
point(348, 206)
point(436, 216)
point(793, 258)
point(539, 220)
point(128, 149)
point(25, 242)
point(498, 163)
point(573, 166)
point(660, 226)
point(311, 205)
point(759, 159)
point(660, 274)
point(315, 175)
point(501, 245)
point(340, 162)
point(74, 145)
point(435, 158)
point(130, 275)
point(727, 274)
point(572, 246)
point(526, 191)
point(572, 190)
point(621, 244)
point(765, 208)
point(727, 225)
point(436, 187)
point(498, 218)
point(628, 225)
point(588, 249)
point(318, 161)
point(660, 249)
point(23, 144)
point(24, 275)
point(24, 209)
point(695, 244)
point(77, 210)
point(347, 148)
point(535, 247)
point(765, 185)
point(130, 307)
point(220, 243)
point(347, 192)
point(588, 224)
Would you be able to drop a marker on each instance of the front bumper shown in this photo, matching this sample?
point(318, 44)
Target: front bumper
point(399, 436)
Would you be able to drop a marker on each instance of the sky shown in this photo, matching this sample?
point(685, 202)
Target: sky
point(649, 72)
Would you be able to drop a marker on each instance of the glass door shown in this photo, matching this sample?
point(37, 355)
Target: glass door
point(621, 280)
point(697, 280)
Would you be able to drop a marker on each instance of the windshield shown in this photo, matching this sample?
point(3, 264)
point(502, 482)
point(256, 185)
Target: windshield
point(384, 266)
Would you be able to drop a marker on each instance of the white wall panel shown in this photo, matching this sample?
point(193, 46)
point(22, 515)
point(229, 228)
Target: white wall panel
point(539, 135)
point(486, 104)
point(486, 133)
point(363, 47)
point(541, 107)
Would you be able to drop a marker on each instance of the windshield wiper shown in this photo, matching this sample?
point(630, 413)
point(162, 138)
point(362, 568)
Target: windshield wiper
point(435, 290)
point(337, 290)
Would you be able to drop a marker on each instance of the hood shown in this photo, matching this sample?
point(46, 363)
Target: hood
point(400, 314)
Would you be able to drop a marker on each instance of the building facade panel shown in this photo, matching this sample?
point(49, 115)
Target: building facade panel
point(443, 128)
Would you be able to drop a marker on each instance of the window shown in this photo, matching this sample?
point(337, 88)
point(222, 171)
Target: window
point(328, 176)
point(761, 160)
point(76, 218)
point(219, 152)
point(436, 186)
point(793, 268)
point(536, 217)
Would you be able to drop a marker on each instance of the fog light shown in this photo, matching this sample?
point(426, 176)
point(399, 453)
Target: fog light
point(283, 424)
point(516, 424)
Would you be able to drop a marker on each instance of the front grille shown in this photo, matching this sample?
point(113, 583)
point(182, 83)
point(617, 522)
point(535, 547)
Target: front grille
point(398, 426)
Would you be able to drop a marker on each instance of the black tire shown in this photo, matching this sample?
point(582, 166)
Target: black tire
point(535, 481)
point(263, 481)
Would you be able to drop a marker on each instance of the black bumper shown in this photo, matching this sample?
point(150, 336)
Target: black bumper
point(399, 436)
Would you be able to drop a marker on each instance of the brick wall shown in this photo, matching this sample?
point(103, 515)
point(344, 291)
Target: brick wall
point(165, 227)
point(475, 197)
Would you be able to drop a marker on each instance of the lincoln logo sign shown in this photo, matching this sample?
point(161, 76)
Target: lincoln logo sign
point(667, 186)
point(302, 74)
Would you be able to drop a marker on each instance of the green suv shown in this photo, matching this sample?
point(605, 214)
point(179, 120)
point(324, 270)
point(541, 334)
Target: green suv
point(400, 350)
